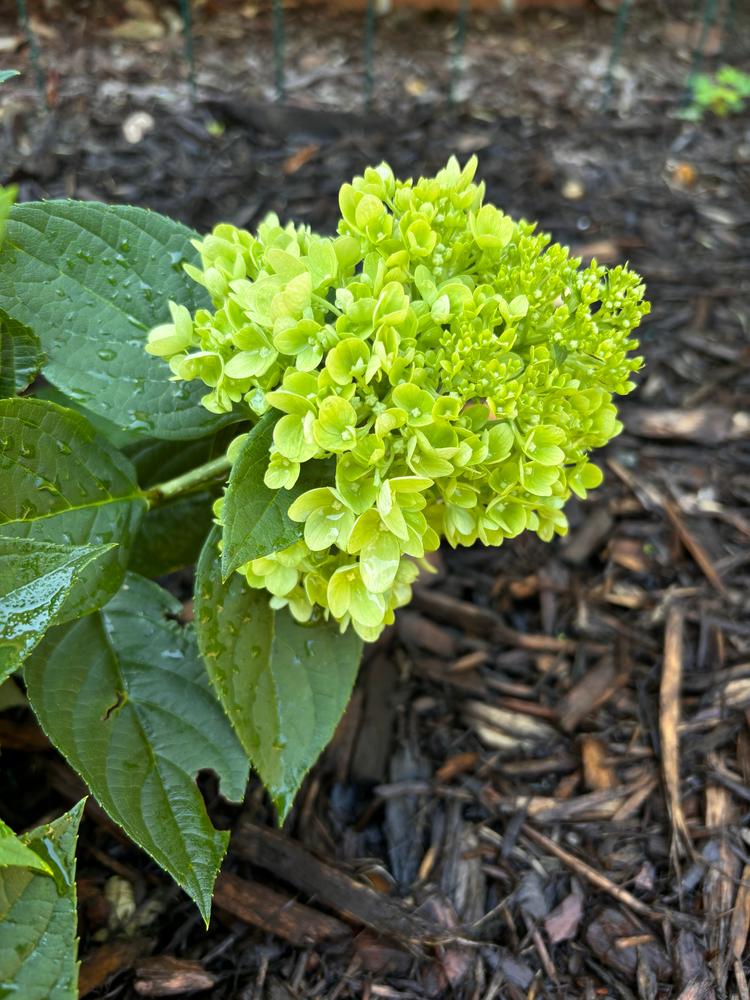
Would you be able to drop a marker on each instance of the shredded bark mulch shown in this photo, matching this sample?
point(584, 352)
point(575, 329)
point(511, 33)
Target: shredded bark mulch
point(541, 787)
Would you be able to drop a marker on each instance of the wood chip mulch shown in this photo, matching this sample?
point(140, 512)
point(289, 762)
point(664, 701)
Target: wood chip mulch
point(542, 785)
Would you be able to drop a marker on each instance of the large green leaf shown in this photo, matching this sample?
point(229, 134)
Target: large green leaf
point(91, 280)
point(36, 580)
point(283, 685)
point(255, 517)
point(13, 851)
point(124, 696)
point(172, 534)
point(115, 435)
point(61, 483)
point(21, 356)
point(38, 942)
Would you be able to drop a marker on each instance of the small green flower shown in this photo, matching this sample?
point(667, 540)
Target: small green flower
point(490, 228)
point(348, 595)
point(541, 445)
point(291, 438)
point(282, 473)
point(172, 338)
point(327, 518)
point(348, 360)
point(335, 428)
point(416, 404)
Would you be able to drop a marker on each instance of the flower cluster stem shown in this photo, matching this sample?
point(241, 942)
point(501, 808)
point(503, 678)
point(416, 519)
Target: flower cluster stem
point(196, 479)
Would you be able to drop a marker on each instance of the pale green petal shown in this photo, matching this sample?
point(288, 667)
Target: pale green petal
point(379, 560)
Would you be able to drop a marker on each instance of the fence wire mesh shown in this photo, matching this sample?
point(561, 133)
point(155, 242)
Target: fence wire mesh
point(703, 16)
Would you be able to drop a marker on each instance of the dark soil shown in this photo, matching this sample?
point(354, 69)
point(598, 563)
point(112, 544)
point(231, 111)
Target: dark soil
point(544, 774)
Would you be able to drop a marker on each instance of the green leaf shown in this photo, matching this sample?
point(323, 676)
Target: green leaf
point(13, 851)
point(21, 356)
point(117, 437)
point(7, 200)
point(36, 579)
point(171, 535)
point(6, 74)
point(38, 942)
point(91, 280)
point(61, 483)
point(255, 517)
point(124, 696)
point(283, 685)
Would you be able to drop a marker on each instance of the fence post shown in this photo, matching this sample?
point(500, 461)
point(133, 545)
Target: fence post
point(709, 16)
point(368, 55)
point(187, 32)
point(36, 63)
point(277, 30)
point(621, 23)
point(459, 41)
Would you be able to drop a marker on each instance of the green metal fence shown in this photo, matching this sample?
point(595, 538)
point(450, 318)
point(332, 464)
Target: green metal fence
point(705, 15)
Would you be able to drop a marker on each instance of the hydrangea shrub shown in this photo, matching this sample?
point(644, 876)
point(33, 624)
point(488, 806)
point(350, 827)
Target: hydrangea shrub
point(304, 419)
point(456, 366)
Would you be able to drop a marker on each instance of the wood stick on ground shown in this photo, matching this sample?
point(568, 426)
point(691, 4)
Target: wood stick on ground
point(741, 916)
point(652, 499)
point(591, 874)
point(167, 975)
point(593, 690)
point(741, 979)
point(488, 625)
point(276, 913)
point(669, 727)
point(720, 879)
point(693, 546)
point(357, 903)
point(110, 958)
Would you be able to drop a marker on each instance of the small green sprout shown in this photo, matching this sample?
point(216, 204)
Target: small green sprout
point(456, 365)
point(723, 93)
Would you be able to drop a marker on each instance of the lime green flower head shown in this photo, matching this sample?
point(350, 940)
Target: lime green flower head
point(454, 366)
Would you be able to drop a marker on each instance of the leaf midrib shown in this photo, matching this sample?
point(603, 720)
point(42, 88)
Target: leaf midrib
point(197, 889)
point(67, 510)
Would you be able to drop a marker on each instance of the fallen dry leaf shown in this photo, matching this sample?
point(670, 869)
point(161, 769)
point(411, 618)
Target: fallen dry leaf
point(562, 923)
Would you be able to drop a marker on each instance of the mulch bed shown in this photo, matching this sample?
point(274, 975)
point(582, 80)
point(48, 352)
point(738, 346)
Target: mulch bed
point(542, 785)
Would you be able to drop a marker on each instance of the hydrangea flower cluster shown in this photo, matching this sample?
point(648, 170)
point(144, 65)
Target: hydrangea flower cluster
point(457, 365)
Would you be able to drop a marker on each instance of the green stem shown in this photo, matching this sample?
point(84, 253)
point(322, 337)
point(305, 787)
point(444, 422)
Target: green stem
point(189, 482)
